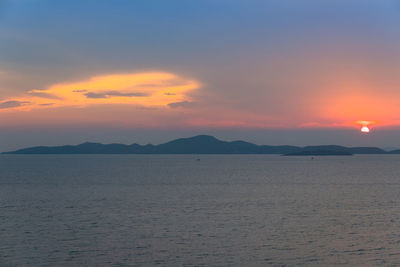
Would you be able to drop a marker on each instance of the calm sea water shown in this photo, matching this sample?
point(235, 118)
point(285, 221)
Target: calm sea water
point(213, 210)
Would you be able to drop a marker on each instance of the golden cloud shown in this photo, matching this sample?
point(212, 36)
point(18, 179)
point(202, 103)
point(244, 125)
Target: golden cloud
point(144, 89)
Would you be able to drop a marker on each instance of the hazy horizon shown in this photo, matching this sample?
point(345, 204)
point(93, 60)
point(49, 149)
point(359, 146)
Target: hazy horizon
point(260, 137)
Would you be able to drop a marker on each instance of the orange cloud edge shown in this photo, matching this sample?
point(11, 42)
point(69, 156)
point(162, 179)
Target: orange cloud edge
point(155, 88)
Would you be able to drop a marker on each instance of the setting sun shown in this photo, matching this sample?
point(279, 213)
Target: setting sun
point(365, 125)
point(365, 129)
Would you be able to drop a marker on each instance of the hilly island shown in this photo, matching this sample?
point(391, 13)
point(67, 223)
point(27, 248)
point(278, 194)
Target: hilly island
point(202, 144)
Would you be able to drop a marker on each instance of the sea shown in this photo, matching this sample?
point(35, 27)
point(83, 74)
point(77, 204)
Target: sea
point(199, 210)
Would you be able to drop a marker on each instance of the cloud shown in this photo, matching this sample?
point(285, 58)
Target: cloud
point(13, 104)
point(95, 95)
point(46, 104)
point(146, 89)
point(182, 104)
point(113, 93)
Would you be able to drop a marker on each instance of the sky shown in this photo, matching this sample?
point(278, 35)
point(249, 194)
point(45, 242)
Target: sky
point(299, 72)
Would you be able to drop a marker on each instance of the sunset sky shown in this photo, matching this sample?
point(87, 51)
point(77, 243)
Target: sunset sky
point(294, 72)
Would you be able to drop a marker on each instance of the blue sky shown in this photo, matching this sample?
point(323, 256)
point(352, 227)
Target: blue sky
point(305, 69)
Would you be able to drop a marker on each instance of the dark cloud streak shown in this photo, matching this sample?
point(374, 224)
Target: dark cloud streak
point(114, 93)
point(183, 104)
point(13, 104)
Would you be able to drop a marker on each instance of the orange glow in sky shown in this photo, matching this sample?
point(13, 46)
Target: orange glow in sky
point(365, 125)
point(145, 89)
point(350, 107)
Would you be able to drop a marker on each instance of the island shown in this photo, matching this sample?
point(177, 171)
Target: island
point(201, 144)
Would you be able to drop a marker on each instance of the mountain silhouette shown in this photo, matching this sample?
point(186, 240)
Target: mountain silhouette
point(201, 144)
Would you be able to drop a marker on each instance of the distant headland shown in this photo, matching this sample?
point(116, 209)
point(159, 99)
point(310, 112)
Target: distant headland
point(201, 144)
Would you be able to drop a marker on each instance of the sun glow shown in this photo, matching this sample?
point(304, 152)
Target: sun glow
point(365, 126)
point(349, 107)
point(365, 129)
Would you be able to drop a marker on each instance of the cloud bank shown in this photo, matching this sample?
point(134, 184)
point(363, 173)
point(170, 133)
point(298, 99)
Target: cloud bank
point(143, 89)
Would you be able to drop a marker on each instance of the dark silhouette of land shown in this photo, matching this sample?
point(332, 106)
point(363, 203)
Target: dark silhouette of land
point(201, 144)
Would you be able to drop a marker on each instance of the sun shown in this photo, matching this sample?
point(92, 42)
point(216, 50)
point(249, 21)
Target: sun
point(365, 125)
point(365, 129)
